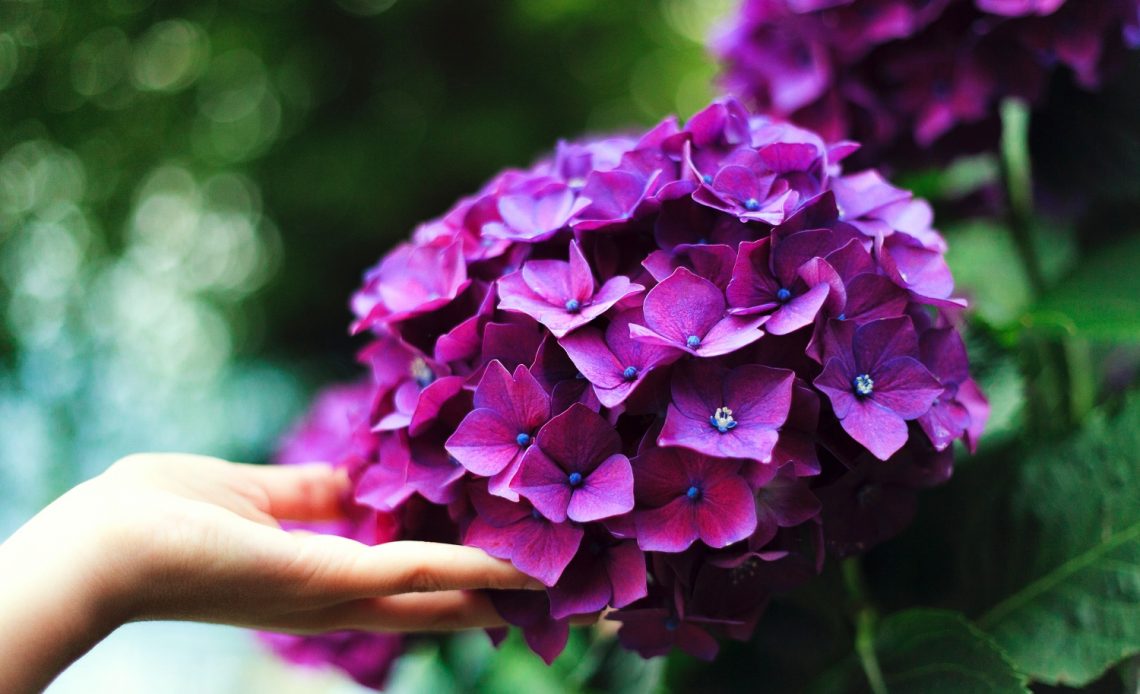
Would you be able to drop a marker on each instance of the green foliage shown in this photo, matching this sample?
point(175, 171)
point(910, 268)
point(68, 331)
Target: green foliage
point(1100, 300)
point(929, 652)
point(1077, 611)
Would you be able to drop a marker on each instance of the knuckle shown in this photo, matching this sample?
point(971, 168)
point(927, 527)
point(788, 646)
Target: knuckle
point(420, 577)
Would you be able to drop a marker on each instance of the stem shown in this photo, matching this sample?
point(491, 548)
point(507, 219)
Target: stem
point(865, 619)
point(1017, 170)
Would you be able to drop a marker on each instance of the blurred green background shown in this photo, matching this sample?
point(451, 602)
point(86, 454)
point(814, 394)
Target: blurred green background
point(189, 192)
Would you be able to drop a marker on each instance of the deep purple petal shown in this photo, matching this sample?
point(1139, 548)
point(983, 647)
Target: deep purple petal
point(544, 484)
point(671, 528)
point(484, 443)
point(535, 546)
point(682, 306)
point(605, 492)
point(726, 512)
point(882, 431)
point(905, 386)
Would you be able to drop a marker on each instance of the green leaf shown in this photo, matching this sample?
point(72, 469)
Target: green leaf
point(931, 652)
point(1100, 300)
point(1074, 529)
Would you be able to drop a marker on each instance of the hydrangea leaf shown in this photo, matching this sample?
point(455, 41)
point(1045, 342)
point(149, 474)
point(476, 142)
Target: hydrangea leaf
point(1100, 300)
point(930, 652)
point(1077, 612)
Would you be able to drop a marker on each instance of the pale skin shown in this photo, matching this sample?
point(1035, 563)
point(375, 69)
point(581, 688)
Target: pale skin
point(170, 536)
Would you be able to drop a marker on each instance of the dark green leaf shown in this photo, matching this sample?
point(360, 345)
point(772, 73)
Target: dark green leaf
point(1077, 506)
point(931, 652)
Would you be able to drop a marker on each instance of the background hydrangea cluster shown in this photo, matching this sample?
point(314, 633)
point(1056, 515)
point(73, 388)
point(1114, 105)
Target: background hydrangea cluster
point(665, 375)
point(901, 73)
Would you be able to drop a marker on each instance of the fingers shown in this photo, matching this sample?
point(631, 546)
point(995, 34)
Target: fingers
point(444, 611)
point(336, 566)
point(299, 492)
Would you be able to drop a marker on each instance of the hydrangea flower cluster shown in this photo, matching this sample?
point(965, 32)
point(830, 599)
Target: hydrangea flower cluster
point(906, 72)
point(664, 376)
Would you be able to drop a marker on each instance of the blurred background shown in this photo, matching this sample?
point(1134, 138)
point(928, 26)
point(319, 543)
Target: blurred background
point(189, 192)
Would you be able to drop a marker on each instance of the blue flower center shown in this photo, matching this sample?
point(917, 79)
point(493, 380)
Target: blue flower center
point(630, 373)
point(573, 305)
point(535, 514)
point(421, 373)
point(707, 178)
point(863, 384)
point(672, 624)
point(575, 479)
point(693, 492)
point(783, 295)
point(722, 420)
point(693, 342)
point(523, 439)
point(751, 204)
point(841, 316)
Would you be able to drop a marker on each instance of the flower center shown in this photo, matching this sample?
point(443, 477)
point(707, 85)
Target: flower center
point(864, 386)
point(751, 204)
point(693, 341)
point(693, 492)
point(523, 439)
point(672, 624)
point(841, 316)
point(575, 479)
point(535, 514)
point(722, 420)
point(630, 373)
point(421, 373)
point(707, 178)
point(573, 305)
point(783, 295)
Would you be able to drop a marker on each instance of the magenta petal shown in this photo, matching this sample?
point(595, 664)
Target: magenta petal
point(798, 312)
point(605, 492)
point(730, 334)
point(760, 395)
point(484, 442)
point(583, 589)
point(431, 400)
point(535, 546)
point(519, 399)
point(882, 339)
point(836, 383)
point(883, 432)
point(671, 528)
point(625, 564)
point(589, 352)
point(683, 305)
point(726, 512)
point(906, 387)
point(544, 484)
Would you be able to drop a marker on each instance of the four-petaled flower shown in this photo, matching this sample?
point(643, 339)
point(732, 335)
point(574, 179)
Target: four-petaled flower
point(687, 312)
point(684, 496)
point(562, 295)
point(576, 469)
point(874, 381)
point(728, 413)
point(492, 438)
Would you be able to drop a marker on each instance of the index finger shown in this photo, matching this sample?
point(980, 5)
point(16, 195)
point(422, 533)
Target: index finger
point(351, 569)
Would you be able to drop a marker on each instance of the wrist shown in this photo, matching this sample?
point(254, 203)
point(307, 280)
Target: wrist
point(57, 597)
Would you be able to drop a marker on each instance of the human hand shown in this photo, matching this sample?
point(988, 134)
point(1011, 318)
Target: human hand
point(193, 538)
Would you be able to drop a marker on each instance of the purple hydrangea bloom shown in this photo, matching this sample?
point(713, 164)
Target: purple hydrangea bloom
point(576, 470)
point(664, 376)
point(688, 313)
point(491, 440)
point(562, 295)
point(875, 382)
point(687, 496)
point(901, 74)
point(728, 413)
